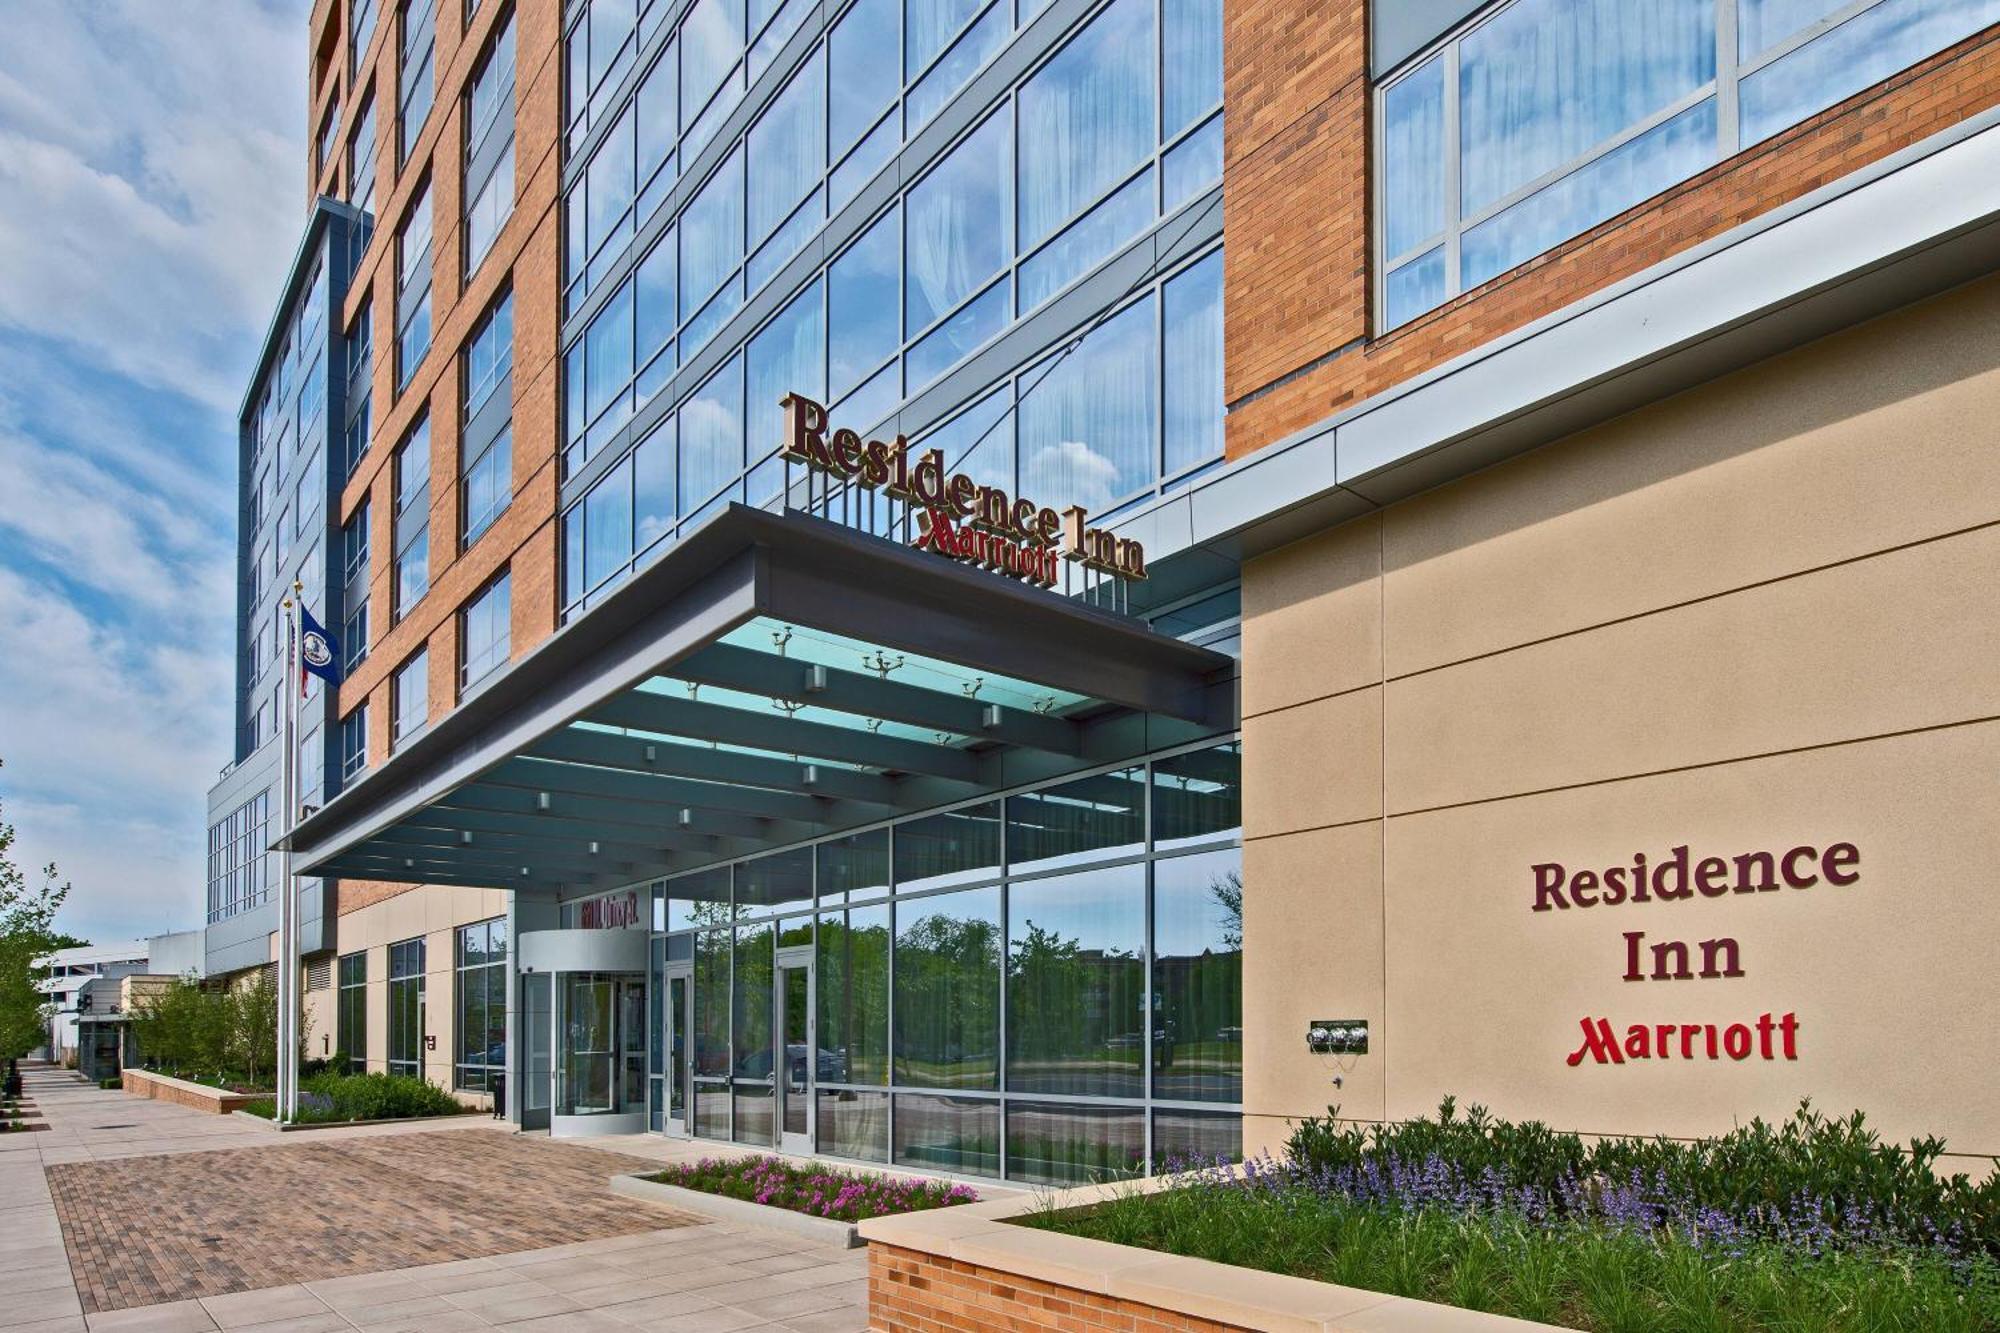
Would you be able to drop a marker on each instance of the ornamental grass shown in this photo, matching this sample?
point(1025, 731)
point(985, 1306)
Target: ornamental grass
point(844, 1196)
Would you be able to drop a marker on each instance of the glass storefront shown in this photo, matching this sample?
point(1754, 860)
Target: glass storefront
point(1045, 986)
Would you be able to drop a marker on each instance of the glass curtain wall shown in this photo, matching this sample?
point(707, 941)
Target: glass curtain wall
point(1116, 128)
point(406, 1007)
point(1542, 118)
point(1045, 986)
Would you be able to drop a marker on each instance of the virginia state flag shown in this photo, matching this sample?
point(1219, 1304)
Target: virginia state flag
point(319, 651)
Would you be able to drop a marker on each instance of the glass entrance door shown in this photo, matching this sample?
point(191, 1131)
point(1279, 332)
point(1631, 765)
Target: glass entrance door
point(676, 1024)
point(600, 1053)
point(585, 1078)
point(797, 1057)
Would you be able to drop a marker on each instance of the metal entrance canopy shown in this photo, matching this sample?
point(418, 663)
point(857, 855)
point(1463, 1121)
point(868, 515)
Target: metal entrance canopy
point(771, 679)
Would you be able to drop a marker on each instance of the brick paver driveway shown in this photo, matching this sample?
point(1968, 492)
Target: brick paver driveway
point(145, 1230)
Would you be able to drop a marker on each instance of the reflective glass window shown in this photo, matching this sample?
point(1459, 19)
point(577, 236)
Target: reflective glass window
point(862, 51)
point(929, 26)
point(1198, 977)
point(1058, 1144)
point(854, 867)
point(949, 848)
point(1086, 117)
point(712, 235)
point(853, 982)
point(1086, 820)
point(1191, 322)
point(770, 885)
point(787, 356)
point(1076, 983)
point(711, 424)
point(947, 1011)
point(1198, 795)
point(957, 231)
point(864, 303)
point(787, 149)
point(1088, 420)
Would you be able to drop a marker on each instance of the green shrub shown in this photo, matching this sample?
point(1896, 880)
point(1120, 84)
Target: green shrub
point(332, 1096)
point(115, 1081)
point(1811, 1179)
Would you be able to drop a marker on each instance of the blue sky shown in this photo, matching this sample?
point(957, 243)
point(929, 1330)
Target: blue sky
point(151, 193)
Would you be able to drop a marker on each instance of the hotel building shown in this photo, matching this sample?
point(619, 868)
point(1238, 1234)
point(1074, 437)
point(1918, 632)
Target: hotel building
point(1027, 588)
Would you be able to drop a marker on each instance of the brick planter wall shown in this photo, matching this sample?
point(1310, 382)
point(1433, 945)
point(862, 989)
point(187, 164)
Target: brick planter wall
point(161, 1088)
point(911, 1290)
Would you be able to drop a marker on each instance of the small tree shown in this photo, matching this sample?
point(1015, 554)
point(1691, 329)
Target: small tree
point(27, 933)
point(254, 1028)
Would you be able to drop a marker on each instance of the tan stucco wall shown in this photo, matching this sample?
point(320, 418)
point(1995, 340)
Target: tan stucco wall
point(1763, 613)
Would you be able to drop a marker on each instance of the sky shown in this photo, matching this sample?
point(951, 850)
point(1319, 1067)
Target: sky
point(152, 191)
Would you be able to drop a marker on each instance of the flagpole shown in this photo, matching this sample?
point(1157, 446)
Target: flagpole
point(288, 963)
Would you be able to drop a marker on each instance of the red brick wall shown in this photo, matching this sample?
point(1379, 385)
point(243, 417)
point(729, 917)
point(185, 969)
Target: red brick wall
point(527, 253)
point(909, 1290)
point(1298, 213)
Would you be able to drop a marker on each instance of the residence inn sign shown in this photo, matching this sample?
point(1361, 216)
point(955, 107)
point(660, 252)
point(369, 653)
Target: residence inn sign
point(956, 516)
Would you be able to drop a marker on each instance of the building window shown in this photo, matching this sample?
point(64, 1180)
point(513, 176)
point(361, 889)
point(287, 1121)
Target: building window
point(489, 149)
point(482, 1004)
point(237, 858)
point(406, 1007)
point(484, 633)
point(413, 288)
point(323, 141)
point(351, 1014)
point(413, 518)
point(1565, 113)
point(312, 771)
point(489, 355)
point(359, 351)
point(416, 73)
point(310, 496)
point(361, 150)
point(411, 705)
point(354, 583)
point(360, 30)
point(354, 744)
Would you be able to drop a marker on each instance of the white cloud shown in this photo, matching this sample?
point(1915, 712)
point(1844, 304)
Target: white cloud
point(111, 741)
point(151, 160)
point(151, 195)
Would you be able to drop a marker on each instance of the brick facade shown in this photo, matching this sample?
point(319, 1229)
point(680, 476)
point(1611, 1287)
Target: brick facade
point(911, 1290)
point(526, 257)
point(1298, 207)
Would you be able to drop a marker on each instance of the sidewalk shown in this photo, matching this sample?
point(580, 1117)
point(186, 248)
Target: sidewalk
point(276, 1236)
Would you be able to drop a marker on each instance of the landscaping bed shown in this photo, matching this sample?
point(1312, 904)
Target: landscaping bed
point(818, 1191)
point(1812, 1224)
point(330, 1098)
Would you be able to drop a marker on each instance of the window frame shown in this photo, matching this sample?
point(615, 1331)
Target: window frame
point(402, 729)
point(475, 668)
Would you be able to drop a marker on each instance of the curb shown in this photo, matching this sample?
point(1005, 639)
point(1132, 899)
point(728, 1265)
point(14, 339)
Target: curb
point(826, 1230)
point(350, 1124)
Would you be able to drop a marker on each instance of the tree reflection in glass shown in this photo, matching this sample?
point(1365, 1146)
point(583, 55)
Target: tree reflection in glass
point(948, 990)
point(1198, 977)
point(1076, 983)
